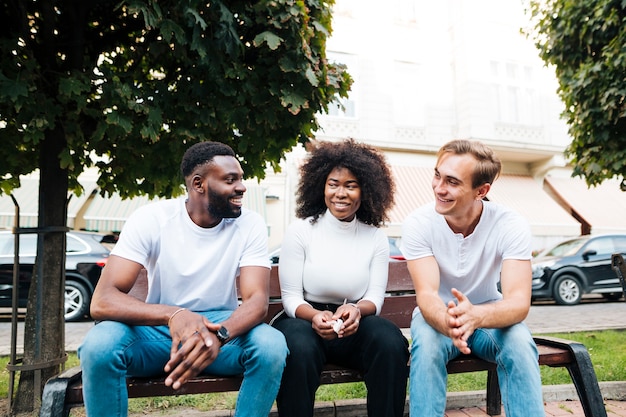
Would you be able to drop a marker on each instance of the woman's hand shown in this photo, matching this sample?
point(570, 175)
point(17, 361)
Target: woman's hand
point(322, 323)
point(351, 316)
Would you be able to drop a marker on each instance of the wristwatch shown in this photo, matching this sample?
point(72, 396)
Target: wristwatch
point(222, 335)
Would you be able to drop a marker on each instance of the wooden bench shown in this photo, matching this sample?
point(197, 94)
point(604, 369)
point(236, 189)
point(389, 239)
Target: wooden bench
point(65, 391)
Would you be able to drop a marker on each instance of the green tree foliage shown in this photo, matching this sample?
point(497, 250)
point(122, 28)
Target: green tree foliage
point(585, 40)
point(134, 83)
point(129, 85)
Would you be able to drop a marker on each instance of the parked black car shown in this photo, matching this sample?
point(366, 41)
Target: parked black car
point(576, 267)
point(86, 255)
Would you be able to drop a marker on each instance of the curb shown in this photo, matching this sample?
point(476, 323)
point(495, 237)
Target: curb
point(455, 400)
point(551, 393)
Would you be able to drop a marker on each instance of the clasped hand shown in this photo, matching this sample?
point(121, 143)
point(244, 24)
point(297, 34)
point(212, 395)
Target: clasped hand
point(194, 347)
point(461, 321)
point(324, 320)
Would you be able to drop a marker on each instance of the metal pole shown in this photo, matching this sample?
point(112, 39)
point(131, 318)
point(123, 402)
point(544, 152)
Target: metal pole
point(38, 317)
point(17, 364)
point(14, 301)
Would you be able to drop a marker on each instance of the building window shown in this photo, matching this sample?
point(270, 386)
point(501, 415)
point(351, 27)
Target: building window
point(512, 93)
point(408, 103)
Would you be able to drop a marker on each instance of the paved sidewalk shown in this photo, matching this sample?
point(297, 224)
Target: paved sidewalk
point(560, 400)
point(357, 408)
point(556, 408)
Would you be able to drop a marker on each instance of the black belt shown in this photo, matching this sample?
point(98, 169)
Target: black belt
point(324, 306)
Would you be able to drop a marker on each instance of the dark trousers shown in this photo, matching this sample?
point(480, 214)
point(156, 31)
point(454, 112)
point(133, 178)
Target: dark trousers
point(378, 349)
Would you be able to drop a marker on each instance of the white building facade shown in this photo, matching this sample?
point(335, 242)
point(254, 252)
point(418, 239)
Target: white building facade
point(428, 72)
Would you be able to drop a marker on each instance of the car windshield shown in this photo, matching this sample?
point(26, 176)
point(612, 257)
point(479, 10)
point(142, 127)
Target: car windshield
point(566, 248)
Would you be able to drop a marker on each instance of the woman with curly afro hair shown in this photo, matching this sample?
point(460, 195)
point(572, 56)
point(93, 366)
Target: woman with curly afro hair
point(333, 274)
point(364, 162)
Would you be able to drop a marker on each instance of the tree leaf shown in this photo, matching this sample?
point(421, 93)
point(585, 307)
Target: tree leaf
point(273, 41)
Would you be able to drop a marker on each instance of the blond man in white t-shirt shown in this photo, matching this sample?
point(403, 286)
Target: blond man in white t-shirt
point(458, 249)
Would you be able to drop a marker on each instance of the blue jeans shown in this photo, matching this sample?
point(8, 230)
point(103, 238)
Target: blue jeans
point(112, 351)
point(512, 349)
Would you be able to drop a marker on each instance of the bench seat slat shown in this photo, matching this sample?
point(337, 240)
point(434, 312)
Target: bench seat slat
point(150, 387)
point(552, 356)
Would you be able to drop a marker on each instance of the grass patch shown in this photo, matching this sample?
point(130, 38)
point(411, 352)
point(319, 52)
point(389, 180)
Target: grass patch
point(607, 349)
point(199, 402)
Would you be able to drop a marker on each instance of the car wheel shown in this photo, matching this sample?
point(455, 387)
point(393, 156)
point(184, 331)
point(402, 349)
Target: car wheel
point(76, 301)
point(567, 290)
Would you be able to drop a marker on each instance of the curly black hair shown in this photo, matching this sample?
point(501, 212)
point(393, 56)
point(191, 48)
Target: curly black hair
point(365, 162)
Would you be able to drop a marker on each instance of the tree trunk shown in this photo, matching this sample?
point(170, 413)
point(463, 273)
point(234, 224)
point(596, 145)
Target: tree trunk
point(44, 326)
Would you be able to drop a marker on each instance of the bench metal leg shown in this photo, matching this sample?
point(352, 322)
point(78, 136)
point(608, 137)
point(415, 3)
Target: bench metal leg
point(494, 397)
point(53, 397)
point(617, 263)
point(586, 383)
point(583, 375)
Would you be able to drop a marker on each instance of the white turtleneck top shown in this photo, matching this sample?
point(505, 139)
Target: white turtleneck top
point(331, 261)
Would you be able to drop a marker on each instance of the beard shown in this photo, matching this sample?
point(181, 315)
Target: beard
point(220, 206)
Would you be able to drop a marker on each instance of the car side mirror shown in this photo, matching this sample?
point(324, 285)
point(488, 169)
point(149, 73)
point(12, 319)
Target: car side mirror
point(588, 253)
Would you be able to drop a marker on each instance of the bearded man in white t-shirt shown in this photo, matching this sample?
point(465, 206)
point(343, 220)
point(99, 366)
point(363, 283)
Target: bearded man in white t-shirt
point(458, 249)
point(191, 322)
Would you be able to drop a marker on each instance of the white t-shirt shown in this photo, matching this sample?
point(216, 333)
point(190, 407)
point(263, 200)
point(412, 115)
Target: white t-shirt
point(470, 264)
point(188, 265)
point(331, 261)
